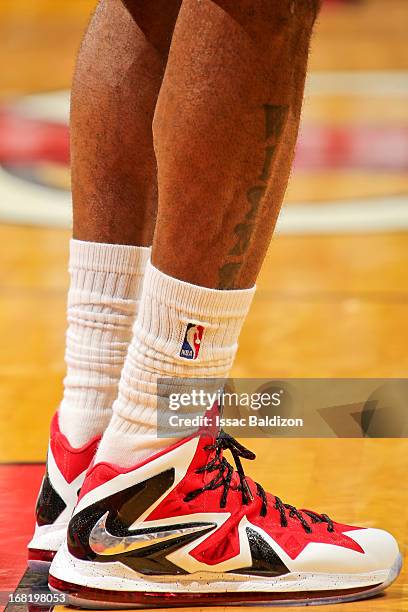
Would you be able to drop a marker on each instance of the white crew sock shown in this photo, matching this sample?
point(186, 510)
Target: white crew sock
point(106, 281)
point(167, 308)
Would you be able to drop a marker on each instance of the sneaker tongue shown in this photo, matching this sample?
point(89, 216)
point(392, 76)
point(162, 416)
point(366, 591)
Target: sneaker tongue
point(211, 427)
point(235, 481)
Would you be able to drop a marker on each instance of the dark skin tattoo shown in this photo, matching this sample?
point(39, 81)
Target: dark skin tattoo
point(275, 119)
point(226, 275)
point(224, 129)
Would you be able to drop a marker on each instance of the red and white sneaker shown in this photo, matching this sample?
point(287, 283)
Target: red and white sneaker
point(65, 472)
point(183, 529)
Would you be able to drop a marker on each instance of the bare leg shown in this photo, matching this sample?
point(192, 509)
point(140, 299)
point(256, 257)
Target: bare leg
point(225, 128)
point(116, 84)
point(117, 80)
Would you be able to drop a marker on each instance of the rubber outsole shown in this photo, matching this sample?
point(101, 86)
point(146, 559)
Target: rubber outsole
point(86, 597)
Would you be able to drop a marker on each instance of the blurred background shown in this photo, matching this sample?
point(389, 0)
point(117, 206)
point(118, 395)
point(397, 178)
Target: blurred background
point(333, 293)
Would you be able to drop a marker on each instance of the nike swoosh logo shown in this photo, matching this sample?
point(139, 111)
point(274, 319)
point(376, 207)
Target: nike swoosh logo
point(104, 543)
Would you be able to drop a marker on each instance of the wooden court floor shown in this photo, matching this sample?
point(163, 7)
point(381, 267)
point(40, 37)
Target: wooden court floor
point(331, 305)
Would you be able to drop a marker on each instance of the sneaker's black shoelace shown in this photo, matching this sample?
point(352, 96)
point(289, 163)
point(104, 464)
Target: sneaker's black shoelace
point(225, 472)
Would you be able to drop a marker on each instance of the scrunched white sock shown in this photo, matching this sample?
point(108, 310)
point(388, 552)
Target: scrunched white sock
point(106, 281)
point(181, 331)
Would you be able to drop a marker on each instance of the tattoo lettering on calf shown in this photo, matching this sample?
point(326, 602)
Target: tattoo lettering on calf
point(243, 230)
point(275, 120)
point(269, 153)
point(227, 275)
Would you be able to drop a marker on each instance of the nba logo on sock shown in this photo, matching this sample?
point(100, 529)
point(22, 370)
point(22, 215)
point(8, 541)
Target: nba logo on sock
point(192, 341)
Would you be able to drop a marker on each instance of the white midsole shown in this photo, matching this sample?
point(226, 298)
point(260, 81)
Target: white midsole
point(117, 577)
point(49, 537)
